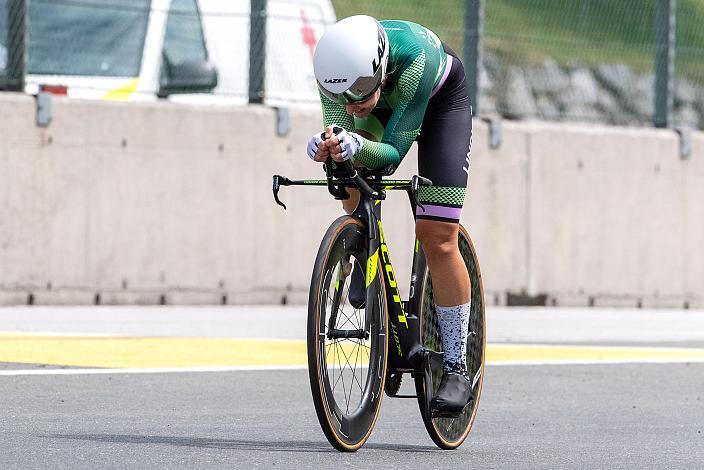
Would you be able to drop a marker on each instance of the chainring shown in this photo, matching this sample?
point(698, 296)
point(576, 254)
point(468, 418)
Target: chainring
point(393, 384)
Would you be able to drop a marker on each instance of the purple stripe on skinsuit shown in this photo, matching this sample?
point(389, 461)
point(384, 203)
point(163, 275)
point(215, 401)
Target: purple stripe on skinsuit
point(448, 66)
point(440, 211)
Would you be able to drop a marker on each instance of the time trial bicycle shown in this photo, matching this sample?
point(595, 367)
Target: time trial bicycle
point(355, 355)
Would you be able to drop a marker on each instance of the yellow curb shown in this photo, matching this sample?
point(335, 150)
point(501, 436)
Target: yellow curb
point(125, 352)
point(548, 353)
point(156, 352)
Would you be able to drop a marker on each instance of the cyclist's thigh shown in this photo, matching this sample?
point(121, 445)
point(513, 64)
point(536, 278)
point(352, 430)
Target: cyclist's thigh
point(444, 150)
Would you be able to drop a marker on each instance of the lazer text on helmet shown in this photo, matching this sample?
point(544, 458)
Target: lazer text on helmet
point(380, 49)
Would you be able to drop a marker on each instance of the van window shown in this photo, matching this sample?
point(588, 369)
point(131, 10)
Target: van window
point(183, 39)
point(90, 37)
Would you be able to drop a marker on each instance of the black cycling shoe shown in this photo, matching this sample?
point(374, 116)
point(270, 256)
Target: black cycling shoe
point(358, 288)
point(454, 393)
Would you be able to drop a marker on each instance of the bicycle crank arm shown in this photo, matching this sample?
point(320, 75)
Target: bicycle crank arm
point(421, 357)
point(426, 360)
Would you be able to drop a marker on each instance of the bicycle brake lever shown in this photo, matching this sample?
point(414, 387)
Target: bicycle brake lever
point(276, 186)
point(414, 199)
point(416, 182)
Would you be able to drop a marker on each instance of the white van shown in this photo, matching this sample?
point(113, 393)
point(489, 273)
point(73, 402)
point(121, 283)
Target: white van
point(194, 50)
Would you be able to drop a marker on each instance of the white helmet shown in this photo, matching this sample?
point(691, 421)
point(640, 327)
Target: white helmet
point(350, 59)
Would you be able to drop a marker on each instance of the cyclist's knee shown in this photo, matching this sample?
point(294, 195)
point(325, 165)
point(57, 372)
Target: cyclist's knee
point(349, 205)
point(436, 237)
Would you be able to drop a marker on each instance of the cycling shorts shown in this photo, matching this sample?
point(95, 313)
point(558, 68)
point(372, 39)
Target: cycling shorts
point(444, 146)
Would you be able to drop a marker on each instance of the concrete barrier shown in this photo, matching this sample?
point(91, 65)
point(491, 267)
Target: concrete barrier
point(150, 203)
point(606, 215)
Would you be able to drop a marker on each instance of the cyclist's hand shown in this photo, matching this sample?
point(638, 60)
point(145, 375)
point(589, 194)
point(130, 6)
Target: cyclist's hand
point(344, 145)
point(317, 150)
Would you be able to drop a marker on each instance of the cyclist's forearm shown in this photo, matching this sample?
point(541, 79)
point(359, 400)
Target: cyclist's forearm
point(377, 155)
point(335, 114)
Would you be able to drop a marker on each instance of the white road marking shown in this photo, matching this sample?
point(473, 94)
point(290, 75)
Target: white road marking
point(170, 370)
point(155, 370)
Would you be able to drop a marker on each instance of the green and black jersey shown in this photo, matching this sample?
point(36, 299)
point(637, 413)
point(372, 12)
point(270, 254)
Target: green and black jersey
point(425, 87)
point(417, 63)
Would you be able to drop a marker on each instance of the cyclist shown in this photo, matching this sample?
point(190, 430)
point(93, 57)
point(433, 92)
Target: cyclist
point(388, 84)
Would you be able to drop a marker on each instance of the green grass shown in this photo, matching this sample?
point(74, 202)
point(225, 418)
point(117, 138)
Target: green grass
point(590, 32)
point(445, 17)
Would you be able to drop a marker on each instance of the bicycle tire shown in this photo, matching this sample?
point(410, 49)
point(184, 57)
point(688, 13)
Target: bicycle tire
point(450, 433)
point(347, 397)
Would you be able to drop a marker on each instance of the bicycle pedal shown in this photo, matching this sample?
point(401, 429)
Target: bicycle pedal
point(449, 413)
point(446, 414)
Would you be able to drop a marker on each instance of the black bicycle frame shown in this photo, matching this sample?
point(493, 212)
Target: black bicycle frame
point(404, 333)
point(406, 350)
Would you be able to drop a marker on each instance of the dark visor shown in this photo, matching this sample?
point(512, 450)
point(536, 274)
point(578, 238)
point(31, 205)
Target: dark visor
point(361, 90)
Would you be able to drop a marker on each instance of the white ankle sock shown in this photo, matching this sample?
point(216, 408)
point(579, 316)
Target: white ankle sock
point(454, 324)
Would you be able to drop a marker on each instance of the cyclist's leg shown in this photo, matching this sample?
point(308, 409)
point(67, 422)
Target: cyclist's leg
point(443, 156)
point(451, 288)
point(358, 288)
point(349, 205)
point(450, 278)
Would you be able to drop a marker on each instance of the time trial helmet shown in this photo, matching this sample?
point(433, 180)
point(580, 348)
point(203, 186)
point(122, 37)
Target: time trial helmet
point(350, 59)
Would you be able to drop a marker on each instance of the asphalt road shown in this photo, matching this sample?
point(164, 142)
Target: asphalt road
point(553, 417)
point(628, 415)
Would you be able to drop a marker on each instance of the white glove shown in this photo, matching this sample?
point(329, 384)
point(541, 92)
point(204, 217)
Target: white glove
point(350, 143)
point(313, 145)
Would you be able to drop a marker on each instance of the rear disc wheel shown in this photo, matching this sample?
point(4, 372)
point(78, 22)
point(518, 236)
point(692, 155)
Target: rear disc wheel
point(450, 433)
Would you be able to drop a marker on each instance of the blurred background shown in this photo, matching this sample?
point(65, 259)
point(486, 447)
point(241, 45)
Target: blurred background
point(139, 138)
point(576, 60)
point(585, 60)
